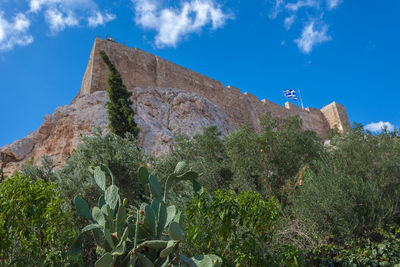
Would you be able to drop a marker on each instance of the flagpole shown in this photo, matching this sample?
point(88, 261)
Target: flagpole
point(301, 100)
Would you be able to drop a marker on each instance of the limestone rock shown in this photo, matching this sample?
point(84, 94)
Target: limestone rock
point(59, 134)
point(160, 114)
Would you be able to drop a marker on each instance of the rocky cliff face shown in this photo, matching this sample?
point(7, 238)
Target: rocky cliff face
point(160, 114)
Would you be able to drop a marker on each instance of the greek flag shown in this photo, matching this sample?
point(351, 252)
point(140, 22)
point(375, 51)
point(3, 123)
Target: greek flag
point(289, 93)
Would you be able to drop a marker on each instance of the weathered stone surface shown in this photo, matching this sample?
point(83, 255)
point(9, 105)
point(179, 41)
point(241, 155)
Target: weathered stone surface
point(59, 134)
point(19, 149)
point(160, 114)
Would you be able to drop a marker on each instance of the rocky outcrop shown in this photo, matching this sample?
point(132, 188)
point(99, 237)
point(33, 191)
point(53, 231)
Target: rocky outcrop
point(160, 114)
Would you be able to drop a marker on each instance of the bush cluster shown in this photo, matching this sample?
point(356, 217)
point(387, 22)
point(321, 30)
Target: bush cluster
point(237, 227)
point(267, 162)
point(278, 197)
point(384, 251)
point(35, 226)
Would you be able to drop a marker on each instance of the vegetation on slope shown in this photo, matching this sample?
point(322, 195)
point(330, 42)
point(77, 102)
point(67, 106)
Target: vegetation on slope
point(278, 197)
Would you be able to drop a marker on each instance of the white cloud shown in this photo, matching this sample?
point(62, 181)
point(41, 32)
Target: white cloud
point(60, 14)
point(14, 33)
point(100, 19)
point(58, 21)
point(315, 31)
point(37, 5)
point(276, 9)
point(172, 24)
point(378, 126)
point(289, 21)
point(311, 36)
point(301, 3)
point(333, 3)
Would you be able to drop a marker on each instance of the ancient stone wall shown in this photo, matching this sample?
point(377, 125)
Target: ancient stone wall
point(141, 69)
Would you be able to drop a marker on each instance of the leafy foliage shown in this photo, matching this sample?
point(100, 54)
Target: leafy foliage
point(154, 234)
point(243, 156)
point(271, 160)
point(45, 171)
point(267, 162)
point(277, 198)
point(123, 158)
point(35, 229)
point(238, 228)
point(369, 156)
point(354, 189)
point(203, 153)
point(120, 113)
point(121, 155)
point(360, 252)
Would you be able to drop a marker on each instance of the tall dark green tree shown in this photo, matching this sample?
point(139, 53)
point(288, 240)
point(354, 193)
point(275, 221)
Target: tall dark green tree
point(120, 113)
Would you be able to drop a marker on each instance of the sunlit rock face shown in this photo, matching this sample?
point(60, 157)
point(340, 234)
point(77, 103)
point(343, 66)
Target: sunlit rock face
point(160, 114)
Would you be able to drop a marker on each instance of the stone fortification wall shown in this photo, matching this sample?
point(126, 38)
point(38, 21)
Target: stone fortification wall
point(141, 69)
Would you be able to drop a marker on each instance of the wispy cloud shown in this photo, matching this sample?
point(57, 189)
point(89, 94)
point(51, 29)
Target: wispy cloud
point(379, 126)
point(61, 14)
point(276, 9)
point(333, 3)
point(289, 21)
point(100, 19)
point(314, 30)
point(174, 24)
point(14, 33)
point(58, 14)
point(58, 21)
point(294, 7)
point(66, 5)
point(311, 36)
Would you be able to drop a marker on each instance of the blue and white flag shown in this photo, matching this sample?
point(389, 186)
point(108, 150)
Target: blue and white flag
point(289, 93)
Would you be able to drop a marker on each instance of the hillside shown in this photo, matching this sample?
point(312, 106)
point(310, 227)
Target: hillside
point(168, 99)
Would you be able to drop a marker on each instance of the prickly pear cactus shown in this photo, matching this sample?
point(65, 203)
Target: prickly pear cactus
point(153, 235)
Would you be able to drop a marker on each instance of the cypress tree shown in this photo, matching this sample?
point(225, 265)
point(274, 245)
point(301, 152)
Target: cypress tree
point(1, 173)
point(120, 113)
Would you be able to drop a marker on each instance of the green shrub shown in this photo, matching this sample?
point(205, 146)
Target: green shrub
point(342, 205)
point(270, 161)
point(370, 156)
point(45, 171)
point(121, 155)
point(123, 158)
point(236, 227)
point(204, 153)
point(245, 160)
point(360, 252)
point(243, 155)
point(35, 228)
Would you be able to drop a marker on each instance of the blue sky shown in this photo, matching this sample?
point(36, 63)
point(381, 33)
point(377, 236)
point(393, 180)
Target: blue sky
point(333, 50)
